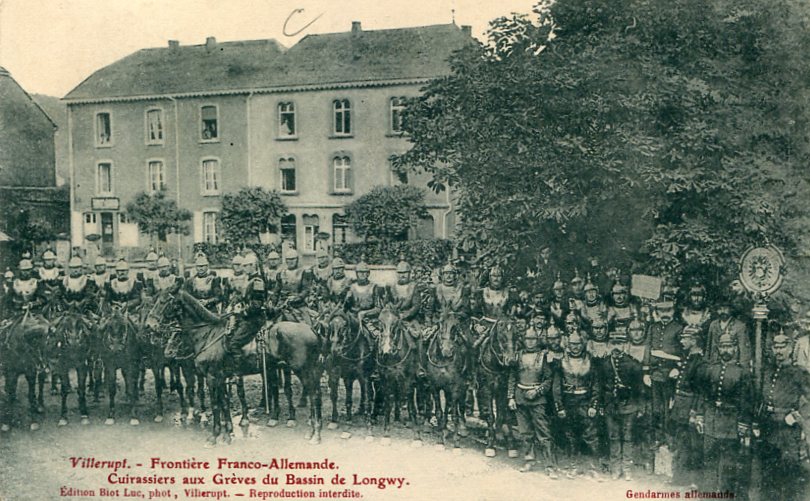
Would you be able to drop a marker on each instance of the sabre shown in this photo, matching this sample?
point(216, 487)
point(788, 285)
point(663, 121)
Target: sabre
point(264, 379)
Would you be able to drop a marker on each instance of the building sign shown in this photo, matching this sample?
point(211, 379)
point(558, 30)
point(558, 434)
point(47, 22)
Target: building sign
point(105, 203)
point(646, 287)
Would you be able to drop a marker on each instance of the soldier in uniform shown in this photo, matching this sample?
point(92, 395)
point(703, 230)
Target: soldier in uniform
point(151, 271)
point(404, 296)
point(450, 293)
point(593, 306)
point(726, 323)
point(292, 286)
point(272, 265)
point(621, 389)
point(235, 286)
point(363, 298)
point(664, 340)
point(125, 290)
point(205, 286)
point(622, 310)
point(78, 291)
point(696, 313)
point(50, 278)
point(598, 345)
point(577, 298)
point(249, 298)
point(639, 349)
point(165, 280)
point(338, 284)
point(494, 301)
point(530, 384)
point(322, 269)
point(580, 401)
point(100, 274)
point(686, 443)
point(783, 417)
point(8, 281)
point(559, 306)
point(25, 298)
point(553, 343)
point(724, 418)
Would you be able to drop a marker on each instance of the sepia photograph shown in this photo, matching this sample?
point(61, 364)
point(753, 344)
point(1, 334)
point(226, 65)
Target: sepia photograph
point(405, 250)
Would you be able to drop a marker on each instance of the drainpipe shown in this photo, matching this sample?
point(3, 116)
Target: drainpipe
point(249, 152)
point(181, 264)
point(72, 175)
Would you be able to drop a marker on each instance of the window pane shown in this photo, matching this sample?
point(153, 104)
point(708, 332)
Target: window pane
point(103, 128)
point(288, 180)
point(209, 122)
point(104, 178)
point(286, 119)
point(210, 176)
point(154, 125)
point(156, 176)
point(288, 232)
point(210, 227)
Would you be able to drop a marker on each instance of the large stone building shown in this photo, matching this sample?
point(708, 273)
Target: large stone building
point(318, 122)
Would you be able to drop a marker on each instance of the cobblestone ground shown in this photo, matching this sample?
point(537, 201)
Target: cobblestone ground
point(36, 465)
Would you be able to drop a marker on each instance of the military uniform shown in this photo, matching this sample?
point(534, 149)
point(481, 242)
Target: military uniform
point(738, 330)
point(530, 384)
point(78, 294)
point(665, 351)
point(207, 290)
point(291, 289)
point(686, 443)
point(25, 298)
point(724, 413)
point(622, 391)
point(580, 390)
point(50, 280)
point(406, 299)
point(784, 400)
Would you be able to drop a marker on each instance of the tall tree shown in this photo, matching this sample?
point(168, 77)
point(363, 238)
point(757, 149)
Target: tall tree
point(387, 213)
point(663, 136)
point(250, 212)
point(157, 215)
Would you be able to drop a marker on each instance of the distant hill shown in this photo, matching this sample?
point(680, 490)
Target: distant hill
point(57, 110)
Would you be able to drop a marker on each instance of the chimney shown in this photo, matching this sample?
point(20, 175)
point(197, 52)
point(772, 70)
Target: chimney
point(466, 29)
point(174, 45)
point(210, 43)
point(356, 28)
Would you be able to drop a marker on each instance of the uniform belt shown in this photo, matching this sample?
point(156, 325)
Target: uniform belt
point(576, 391)
point(528, 386)
point(722, 405)
point(684, 393)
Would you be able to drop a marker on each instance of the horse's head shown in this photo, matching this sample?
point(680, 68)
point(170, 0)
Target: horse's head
point(448, 333)
point(389, 328)
point(162, 307)
point(337, 334)
point(504, 341)
point(117, 329)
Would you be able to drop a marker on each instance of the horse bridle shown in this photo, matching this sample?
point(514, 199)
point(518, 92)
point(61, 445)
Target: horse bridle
point(394, 341)
point(491, 346)
point(347, 347)
point(433, 342)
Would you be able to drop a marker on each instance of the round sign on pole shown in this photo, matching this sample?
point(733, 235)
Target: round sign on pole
point(762, 270)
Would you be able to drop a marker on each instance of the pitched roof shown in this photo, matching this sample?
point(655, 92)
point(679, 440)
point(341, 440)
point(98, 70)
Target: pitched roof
point(360, 56)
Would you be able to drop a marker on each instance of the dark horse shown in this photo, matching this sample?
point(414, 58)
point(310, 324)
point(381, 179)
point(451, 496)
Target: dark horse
point(118, 346)
point(448, 365)
point(69, 342)
point(348, 358)
point(396, 354)
point(295, 345)
point(495, 354)
point(23, 342)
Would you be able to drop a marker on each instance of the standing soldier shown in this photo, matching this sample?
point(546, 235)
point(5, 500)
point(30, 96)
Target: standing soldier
point(621, 390)
point(696, 313)
point(580, 401)
point(205, 286)
point(593, 306)
point(622, 310)
point(292, 286)
point(577, 299)
point(639, 349)
point(322, 270)
point(598, 345)
point(686, 443)
point(726, 323)
point(724, 418)
point(664, 340)
point(530, 384)
point(559, 306)
point(783, 419)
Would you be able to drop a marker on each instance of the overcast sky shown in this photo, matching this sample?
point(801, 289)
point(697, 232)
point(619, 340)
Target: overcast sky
point(50, 46)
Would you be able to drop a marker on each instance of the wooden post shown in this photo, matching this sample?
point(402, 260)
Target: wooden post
point(760, 313)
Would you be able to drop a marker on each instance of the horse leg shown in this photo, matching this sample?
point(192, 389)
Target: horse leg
point(348, 384)
point(272, 392)
point(40, 377)
point(54, 383)
point(201, 380)
point(441, 413)
point(240, 392)
point(412, 413)
point(314, 402)
point(190, 376)
point(213, 395)
point(504, 415)
point(97, 373)
point(288, 393)
point(31, 379)
point(160, 384)
point(109, 377)
point(333, 397)
point(226, 411)
point(487, 412)
point(81, 388)
point(141, 376)
point(63, 376)
point(11, 397)
point(131, 383)
point(453, 395)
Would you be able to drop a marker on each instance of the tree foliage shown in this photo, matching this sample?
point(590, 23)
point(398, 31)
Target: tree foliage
point(250, 212)
point(659, 136)
point(31, 220)
point(387, 213)
point(157, 215)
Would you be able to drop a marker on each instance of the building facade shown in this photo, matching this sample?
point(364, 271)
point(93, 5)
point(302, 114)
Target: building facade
point(318, 123)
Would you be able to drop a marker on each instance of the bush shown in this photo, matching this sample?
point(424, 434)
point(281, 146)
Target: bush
point(221, 254)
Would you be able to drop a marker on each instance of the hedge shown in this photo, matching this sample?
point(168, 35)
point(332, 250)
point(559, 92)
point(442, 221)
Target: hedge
point(433, 253)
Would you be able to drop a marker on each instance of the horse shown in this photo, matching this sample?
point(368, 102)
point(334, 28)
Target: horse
point(396, 354)
point(495, 354)
point(119, 349)
point(207, 332)
point(22, 355)
point(296, 345)
point(69, 340)
point(348, 357)
point(448, 365)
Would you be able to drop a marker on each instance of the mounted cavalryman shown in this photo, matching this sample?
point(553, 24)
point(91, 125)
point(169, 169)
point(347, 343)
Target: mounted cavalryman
point(205, 286)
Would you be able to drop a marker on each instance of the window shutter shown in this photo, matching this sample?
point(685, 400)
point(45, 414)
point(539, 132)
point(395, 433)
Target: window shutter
point(198, 227)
